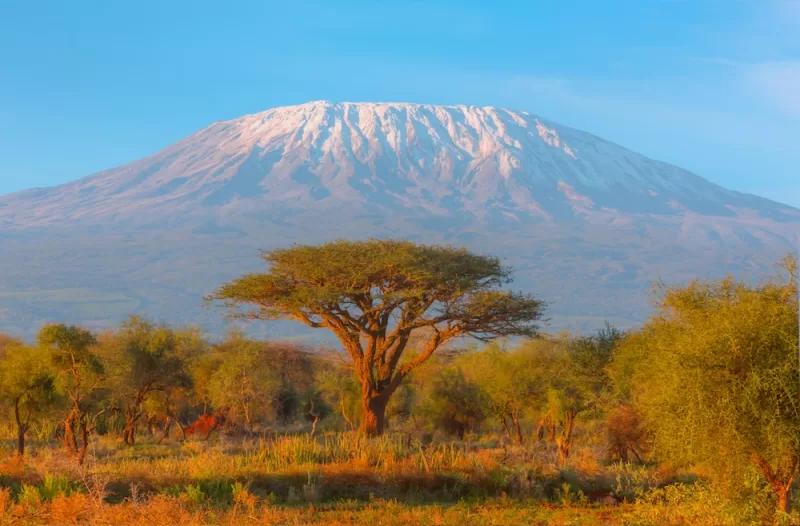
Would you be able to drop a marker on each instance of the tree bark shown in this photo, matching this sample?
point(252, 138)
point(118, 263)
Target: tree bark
point(784, 502)
point(84, 441)
point(540, 429)
point(505, 426)
point(374, 409)
point(22, 428)
point(780, 480)
point(129, 433)
point(517, 429)
point(315, 418)
point(182, 428)
point(21, 441)
point(344, 413)
point(247, 421)
point(565, 439)
point(167, 426)
point(70, 445)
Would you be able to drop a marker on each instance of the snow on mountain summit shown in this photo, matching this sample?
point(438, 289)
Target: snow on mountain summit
point(586, 223)
point(480, 161)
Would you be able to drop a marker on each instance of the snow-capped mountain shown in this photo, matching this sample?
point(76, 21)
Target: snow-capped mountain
point(426, 159)
point(565, 206)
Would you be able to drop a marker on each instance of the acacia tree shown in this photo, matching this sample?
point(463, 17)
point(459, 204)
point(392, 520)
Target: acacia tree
point(375, 295)
point(341, 389)
point(243, 385)
point(79, 375)
point(715, 376)
point(560, 395)
point(509, 383)
point(452, 402)
point(144, 359)
point(27, 383)
point(562, 377)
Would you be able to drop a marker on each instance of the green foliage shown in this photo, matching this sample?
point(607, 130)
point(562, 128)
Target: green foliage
point(254, 382)
point(453, 403)
point(27, 381)
point(243, 386)
point(342, 391)
point(715, 375)
point(80, 378)
point(143, 359)
point(69, 345)
point(377, 295)
point(72, 351)
point(509, 382)
point(53, 486)
point(303, 281)
point(29, 496)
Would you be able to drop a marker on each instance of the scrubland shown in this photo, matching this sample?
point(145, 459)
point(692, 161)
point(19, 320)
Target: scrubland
point(343, 478)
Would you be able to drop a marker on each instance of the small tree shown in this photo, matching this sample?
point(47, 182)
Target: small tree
point(567, 379)
point(715, 376)
point(342, 392)
point(244, 385)
point(510, 383)
point(27, 383)
point(453, 403)
point(563, 393)
point(79, 374)
point(144, 359)
point(375, 295)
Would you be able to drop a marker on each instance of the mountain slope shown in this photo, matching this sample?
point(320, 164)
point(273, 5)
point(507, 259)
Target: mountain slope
point(586, 221)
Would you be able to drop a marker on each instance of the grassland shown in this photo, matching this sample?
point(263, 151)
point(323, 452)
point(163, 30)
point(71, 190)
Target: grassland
point(345, 479)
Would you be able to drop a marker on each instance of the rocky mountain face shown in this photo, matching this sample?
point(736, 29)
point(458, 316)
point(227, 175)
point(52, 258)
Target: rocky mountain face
point(587, 224)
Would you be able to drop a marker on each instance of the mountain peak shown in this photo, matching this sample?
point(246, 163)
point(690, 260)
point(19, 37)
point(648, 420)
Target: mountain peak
point(586, 223)
point(484, 163)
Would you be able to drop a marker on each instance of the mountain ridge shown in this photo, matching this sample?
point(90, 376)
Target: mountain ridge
point(585, 221)
point(479, 156)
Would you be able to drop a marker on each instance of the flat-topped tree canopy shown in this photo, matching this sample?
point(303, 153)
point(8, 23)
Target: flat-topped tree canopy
point(373, 295)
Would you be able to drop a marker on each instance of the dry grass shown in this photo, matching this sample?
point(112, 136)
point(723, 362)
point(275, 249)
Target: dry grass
point(345, 479)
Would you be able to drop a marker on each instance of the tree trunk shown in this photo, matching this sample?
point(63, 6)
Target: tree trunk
point(505, 426)
point(540, 429)
point(312, 412)
point(129, 434)
point(70, 445)
point(517, 429)
point(182, 428)
point(780, 480)
point(374, 409)
point(565, 439)
point(22, 428)
point(784, 501)
point(461, 430)
point(344, 414)
point(21, 441)
point(247, 421)
point(167, 425)
point(84, 441)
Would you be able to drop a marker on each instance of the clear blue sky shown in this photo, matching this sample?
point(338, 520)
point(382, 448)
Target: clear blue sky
point(711, 85)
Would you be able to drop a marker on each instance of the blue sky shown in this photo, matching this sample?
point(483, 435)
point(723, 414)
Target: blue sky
point(710, 85)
